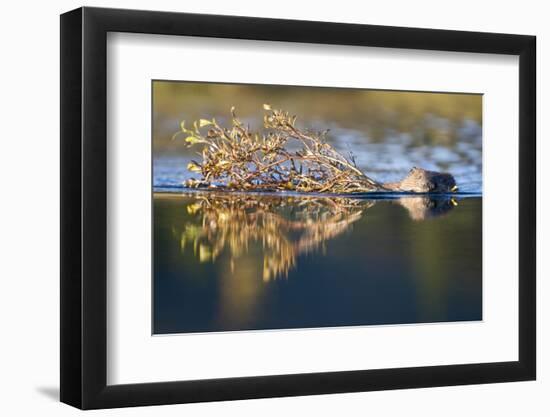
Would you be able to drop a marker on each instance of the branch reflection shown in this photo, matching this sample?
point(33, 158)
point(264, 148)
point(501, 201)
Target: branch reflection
point(284, 226)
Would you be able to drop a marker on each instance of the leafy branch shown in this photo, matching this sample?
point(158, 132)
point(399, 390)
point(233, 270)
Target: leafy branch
point(238, 158)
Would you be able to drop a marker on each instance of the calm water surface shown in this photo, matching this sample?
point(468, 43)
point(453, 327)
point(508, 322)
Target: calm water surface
point(229, 261)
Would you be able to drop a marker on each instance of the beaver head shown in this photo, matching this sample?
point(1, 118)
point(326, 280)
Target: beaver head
point(419, 180)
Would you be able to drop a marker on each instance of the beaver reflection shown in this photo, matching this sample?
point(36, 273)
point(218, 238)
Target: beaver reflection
point(423, 207)
point(284, 226)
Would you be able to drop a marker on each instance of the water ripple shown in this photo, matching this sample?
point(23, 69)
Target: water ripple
point(384, 161)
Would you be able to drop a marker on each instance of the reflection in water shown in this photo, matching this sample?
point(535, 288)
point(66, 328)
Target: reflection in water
point(229, 261)
point(427, 207)
point(285, 226)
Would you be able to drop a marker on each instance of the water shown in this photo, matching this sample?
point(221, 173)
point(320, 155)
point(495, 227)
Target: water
point(234, 261)
point(386, 161)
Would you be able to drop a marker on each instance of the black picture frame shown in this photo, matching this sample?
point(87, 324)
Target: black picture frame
point(84, 207)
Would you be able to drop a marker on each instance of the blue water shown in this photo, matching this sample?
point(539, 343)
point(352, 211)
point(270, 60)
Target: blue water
point(385, 161)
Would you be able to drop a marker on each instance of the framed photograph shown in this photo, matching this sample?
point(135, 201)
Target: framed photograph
point(257, 208)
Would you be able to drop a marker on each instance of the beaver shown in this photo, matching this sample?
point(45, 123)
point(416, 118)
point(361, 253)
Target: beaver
point(420, 180)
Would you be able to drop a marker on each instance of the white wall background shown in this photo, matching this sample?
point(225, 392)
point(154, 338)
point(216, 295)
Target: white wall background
point(29, 226)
